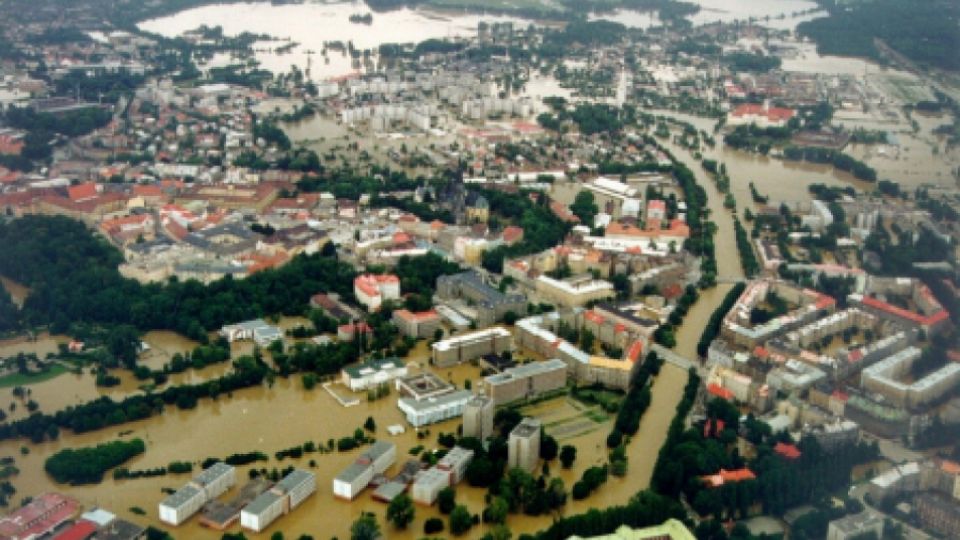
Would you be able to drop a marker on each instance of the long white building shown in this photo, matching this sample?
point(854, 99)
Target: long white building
point(206, 486)
point(434, 409)
point(279, 500)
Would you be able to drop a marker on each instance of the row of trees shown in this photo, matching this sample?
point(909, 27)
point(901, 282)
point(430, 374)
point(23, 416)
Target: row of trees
point(712, 329)
point(748, 259)
point(838, 159)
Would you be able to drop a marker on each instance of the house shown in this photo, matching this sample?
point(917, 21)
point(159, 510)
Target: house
point(724, 477)
point(372, 290)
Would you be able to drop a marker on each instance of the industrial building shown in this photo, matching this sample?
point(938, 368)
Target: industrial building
point(289, 492)
point(372, 372)
point(357, 476)
point(478, 417)
point(489, 303)
point(855, 526)
point(416, 325)
point(422, 386)
point(466, 347)
point(206, 486)
point(526, 381)
point(434, 409)
point(428, 484)
point(257, 330)
point(455, 462)
point(523, 446)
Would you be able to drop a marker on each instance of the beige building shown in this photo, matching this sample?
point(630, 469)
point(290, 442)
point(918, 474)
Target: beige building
point(526, 381)
point(478, 417)
point(574, 292)
point(523, 447)
point(466, 347)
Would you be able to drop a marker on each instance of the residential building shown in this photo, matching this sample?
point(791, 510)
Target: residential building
point(416, 325)
point(478, 417)
point(523, 446)
point(939, 514)
point(855, 525)
point(372, 290)
point(904, 478)
point(574, 292)
point(372, 372)
point(526, 381)
point(466, 347)
point(885, 378)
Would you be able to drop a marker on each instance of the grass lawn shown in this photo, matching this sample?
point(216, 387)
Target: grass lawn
point(16, 379)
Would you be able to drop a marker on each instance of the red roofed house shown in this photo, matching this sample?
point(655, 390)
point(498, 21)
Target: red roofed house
point(512, 235)
point(762, 115)
point(372, 290)
point(82, 192)
point(416, 325)
point(719, 391)
point(348, 332)
point(11, 145)
point(788, 451)
point(725, 476)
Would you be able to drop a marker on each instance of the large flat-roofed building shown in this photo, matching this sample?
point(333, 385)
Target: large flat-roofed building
point(434, 409)
point(254, 329)
point(938, 514)
point(526, 381)
point(289, 492)
point(206, 486)
point(416, 325)
point(614, 197)
point(422, 385)
point(574, 292)
point(372, 372)
point(523, 446)
point(855, 525)
point(466, 347)
point(478, 417)
point(489, 303)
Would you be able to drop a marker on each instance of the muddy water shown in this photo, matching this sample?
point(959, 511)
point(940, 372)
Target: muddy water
point(270, 419)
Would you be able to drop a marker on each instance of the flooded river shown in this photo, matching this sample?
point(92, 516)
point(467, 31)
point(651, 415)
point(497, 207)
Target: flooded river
point(312, 24)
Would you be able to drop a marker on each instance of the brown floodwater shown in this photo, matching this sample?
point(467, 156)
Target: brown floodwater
point(284, 415)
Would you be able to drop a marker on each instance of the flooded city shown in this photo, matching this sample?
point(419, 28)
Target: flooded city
point(321, 193)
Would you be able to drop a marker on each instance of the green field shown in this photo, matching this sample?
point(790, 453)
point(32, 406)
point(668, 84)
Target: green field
point(17, 379)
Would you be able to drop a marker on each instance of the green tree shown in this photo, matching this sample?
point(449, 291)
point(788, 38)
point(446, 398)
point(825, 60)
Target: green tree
point(433, 526)
point(568, 454)
point(497, 511)
point(400, 512)
point(365, 528)
point(585, 208)
point(446, 500)
point(460, 520)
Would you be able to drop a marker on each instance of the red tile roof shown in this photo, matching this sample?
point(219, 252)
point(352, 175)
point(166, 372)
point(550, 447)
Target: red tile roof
point(724, 476)
point(788, 451)
point(719, 391)
point(82, 191)
point(44, 513)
